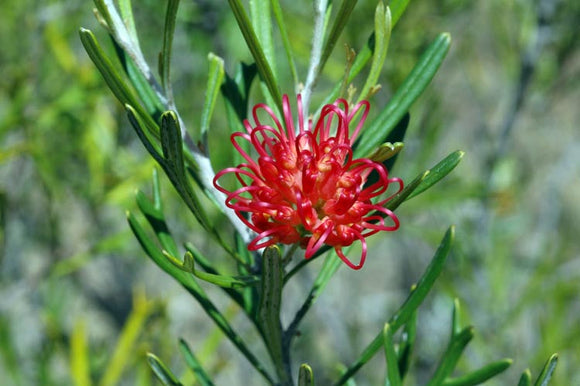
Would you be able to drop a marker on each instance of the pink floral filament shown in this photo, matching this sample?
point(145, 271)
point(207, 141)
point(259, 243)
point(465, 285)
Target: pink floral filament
point(305, 187)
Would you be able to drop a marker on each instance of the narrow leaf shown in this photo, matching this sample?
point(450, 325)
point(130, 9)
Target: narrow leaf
point(480, 376)
point(151, 102)
point(338, 25)
point(364, 55)
point(114, 80)
point(456, 318)
point(278, 14)
point(79, 356)
point(161, 371)
point(404, 194)
point(410, 90)
point(526, 378)
point(127, 14)
point(547, 371)
point(143, 129)
point(393, 377)
point(262, 23)
point(236, 94)
point(451, 356)
point(305, 375)
point(407, 344)
point(219, 280)
point(126, 344)
point(404, 314)
point(165, 56)
point(206, 265)
point(214, 83)
point(437, 172)
point(106, 68)
point(188, 282)
point(194, 365)
point(157, 222)
point(397, 9)
point(171, 143)
point(425, 283)
point(174, 166)
point(382, 37)
point(255, 47)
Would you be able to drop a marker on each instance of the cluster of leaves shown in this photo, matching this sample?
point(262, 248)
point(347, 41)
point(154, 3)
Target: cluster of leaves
point(258, 288)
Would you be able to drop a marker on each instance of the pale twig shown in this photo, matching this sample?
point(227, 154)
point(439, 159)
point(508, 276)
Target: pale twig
point(320, 7)
point(201, 158)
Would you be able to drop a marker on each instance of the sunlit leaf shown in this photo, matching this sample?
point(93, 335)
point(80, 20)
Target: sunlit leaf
point(406, 94)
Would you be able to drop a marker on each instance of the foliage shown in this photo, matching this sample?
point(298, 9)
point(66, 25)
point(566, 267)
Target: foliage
point(45, 121)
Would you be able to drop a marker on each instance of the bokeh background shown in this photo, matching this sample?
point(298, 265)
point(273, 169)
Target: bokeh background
point(72, 275)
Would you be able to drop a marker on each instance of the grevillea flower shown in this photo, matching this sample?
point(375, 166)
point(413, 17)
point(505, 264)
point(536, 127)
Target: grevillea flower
point(303, 185)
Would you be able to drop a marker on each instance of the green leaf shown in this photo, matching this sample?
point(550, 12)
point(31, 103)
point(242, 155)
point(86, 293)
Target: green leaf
point(150, 99)
point(407, 344)
point(153, 212)
point(393, 377)
point(526, 378)
point(278, 14)
point(188, 282)
point(124, 353)
point(410, 90)
point(236, 94)
point(338, 25)
point(432, 272)
point(144, 131)
point(79, 355)
point(456, 318)
point(451, 356)
point(214, 83)
point(382, 37)
point(262, 24)
point(547, 371)
point(127, 14)
point(305, 375)
point(165, 55)
point(364, 55)
point(162, 372)
point(255, 47)
point(201, 260)
point(270, 304)
point(219, 280)
point(480, 376)
point(405, 312)
point(156, 219)
point(437, 172)
point(141, 84)
point(174, 166)
point(194, 365)
point(397, 9)
point(111, 76)
point(404, 194)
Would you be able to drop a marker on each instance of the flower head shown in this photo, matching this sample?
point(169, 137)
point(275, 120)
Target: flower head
point(303, 185)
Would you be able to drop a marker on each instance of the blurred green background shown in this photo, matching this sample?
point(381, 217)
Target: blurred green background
point(73, 280)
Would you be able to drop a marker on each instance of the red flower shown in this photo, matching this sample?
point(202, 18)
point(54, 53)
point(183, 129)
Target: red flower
point(304, 187)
